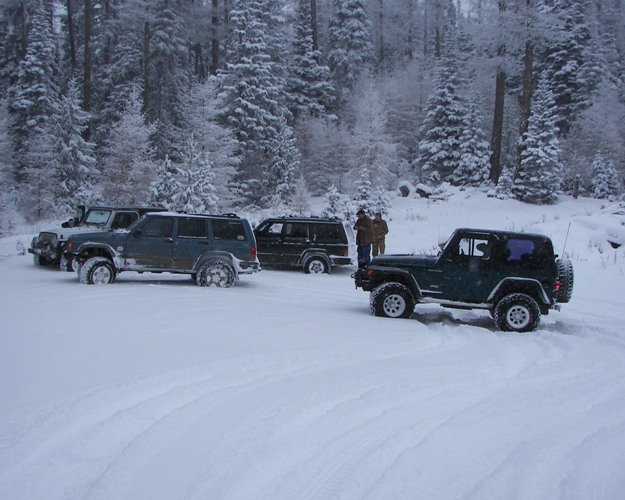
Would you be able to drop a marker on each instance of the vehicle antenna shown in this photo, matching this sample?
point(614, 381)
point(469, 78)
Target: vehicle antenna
point(566, 239)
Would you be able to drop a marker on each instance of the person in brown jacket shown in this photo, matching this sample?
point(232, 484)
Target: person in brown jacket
point(364, 238)
point(380, 230)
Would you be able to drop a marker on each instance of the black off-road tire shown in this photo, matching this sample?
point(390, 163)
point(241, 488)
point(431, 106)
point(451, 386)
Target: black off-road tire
point(97, 271)
point(66, 264)
point(216, 273)
point(565, 275)
point(316, 265)
point(392, 300)
point(517, 312)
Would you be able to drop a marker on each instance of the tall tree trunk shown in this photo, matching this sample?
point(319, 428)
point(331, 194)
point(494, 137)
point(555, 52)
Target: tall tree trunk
point(70, 34)
point(410, 36)
point(381, 34)
point(146, 68)
point(315, 29)
point(214, 37)
point(526, 102)
point(86, 84)
point(497, 137)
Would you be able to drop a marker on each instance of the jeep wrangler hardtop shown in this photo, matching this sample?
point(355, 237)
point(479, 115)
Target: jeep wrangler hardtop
point(214, 249)
point(516, 276)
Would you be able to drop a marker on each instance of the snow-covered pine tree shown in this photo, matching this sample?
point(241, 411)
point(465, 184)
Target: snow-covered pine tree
point(349, 45)
point(444, 125)
point(284, 160)
point(197, 193)
point(337, 205)
point(36, 198)
point(380, 201)
point(604, 182)
point(254, 100)
point(474, 164)
point(364, 192)
point(127, 166)
point(371, 146)
point(76, 169)
point(540, 173)
point(31, 98)
point(169, 76)
point(310, 89)
point(300, 201)
point(166, 186)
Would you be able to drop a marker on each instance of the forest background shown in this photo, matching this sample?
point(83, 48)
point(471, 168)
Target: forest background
point(213, 105)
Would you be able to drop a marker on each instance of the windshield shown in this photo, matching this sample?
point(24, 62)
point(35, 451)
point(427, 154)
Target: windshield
point(98, 217)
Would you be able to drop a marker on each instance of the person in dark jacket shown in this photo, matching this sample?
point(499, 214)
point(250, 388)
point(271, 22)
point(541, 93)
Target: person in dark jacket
point(380, 230)
point(364, 238)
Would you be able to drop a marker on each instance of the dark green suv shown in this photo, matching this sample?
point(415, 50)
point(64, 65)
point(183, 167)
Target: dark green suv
point(516, 276)
point(313, 244)
point(215, 250)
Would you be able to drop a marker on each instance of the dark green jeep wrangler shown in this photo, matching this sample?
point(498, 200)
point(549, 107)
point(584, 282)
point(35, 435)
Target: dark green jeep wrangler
point(516, 276)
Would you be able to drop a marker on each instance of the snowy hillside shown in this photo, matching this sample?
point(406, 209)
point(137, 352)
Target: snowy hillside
point(284, 387)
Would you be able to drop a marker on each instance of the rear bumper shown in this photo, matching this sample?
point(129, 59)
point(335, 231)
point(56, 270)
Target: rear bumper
point(248, 267)
point(341, 261)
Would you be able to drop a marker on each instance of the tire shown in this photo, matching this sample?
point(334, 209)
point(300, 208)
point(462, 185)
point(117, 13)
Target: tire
point(517, 312)
point(216, 273)
point(67, 264)
point(97, 271)
point(316, 265)
point(38, 260)
point(565, 276)
point(392, 300)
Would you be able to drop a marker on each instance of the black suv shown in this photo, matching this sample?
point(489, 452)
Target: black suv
point(516, 276)
point(49, 246)
point(313, 244)
point(214, 249)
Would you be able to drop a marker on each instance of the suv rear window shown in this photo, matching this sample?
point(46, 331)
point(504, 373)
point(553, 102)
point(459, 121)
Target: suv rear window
point(228, 230)
point(525, 253)
point(330, 233)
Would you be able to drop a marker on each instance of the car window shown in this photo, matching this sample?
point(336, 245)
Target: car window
point(192, 228)
point(296, 230)
point(159, 227)
point(98, 216)
point(474, 247)
point(273, 229)
point(228, 230)
point(123, 220)
point(525, 253)
point(327, 233)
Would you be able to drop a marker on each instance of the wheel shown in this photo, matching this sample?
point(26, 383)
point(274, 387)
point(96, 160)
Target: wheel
point(66, 264)
point(316, 265)
point(216, 273)
point(565, 277)
point(517, 312)
point(392, 300)
point(97, 271)
point(38, 260)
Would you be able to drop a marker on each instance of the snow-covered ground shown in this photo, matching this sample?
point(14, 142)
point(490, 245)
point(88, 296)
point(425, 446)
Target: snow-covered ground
point(284, 387)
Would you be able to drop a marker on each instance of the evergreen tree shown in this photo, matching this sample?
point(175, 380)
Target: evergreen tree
point(197, 193)
point(444, 126)
point(363, 194)
point(337, 205)
point(76, 171)
point(540, 173)
point(604, 182)
point(300, 201)
point(310, 89)
point(282, 167)
point(169, 76)
point(380, 201)
point(33, 95)
point(254, 103)
point(166, 186)
point(474, 164)
point(128, 167)
point(350, 49)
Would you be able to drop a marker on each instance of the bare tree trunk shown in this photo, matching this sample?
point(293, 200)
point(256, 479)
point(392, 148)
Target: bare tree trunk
point(315, 29)
point(410, 37)
point(526, 102)
point(146, 68)
point(71, 35)
point(86, 93)
point(215, 37)
point(425, 27)
point(381, 34)
point(497, 137)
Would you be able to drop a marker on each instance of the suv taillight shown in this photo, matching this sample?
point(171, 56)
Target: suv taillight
point(346, 251)
point(253, 253)
point(69, 246)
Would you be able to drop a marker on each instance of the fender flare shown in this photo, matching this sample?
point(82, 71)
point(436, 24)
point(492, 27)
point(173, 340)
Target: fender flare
point(393, 274)
point(519, 285)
